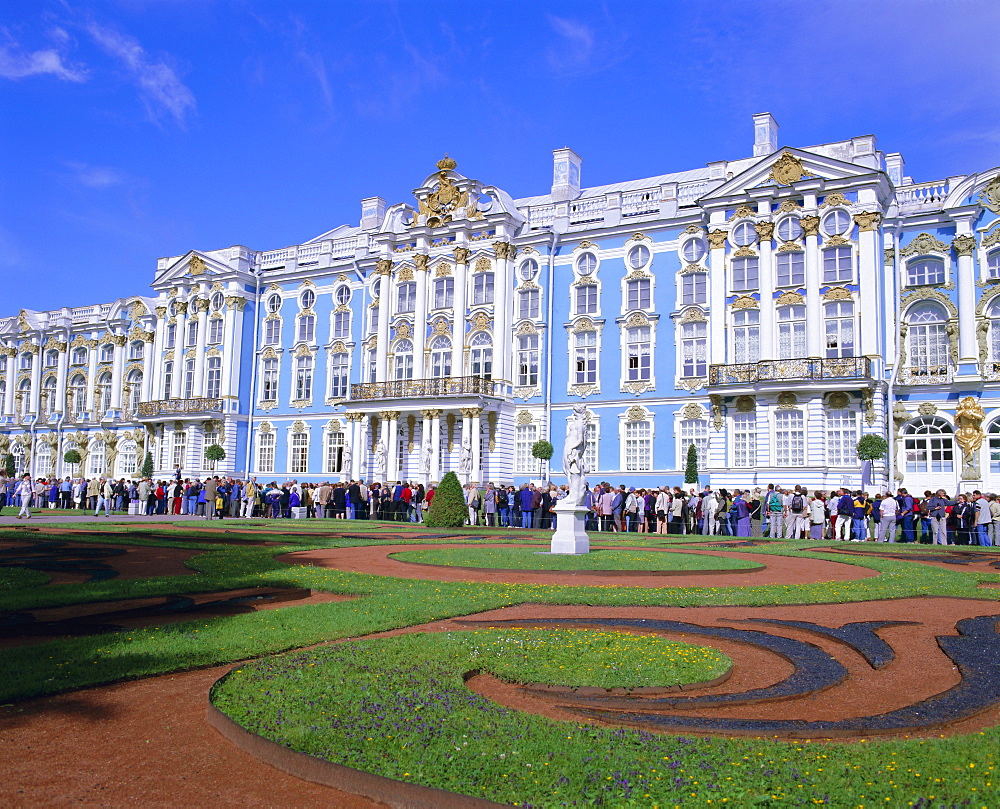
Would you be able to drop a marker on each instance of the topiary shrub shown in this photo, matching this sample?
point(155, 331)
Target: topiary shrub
point(542, 450)
point(872, 447)
point(72, 457)
point(214, 453)
point(448, 506)
point(691, 470)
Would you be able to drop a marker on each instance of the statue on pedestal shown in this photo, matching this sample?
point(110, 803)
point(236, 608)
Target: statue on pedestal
point(573, 451)
point(381, 459)
point(969, 435)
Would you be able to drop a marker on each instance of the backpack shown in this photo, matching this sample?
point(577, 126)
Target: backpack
point(798, 504)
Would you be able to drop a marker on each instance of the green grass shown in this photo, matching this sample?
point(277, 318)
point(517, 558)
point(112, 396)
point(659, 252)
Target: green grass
point(399, 707)
point(531, 559)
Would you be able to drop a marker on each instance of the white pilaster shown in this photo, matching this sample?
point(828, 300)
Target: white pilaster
point(435, 473)
point(767, 277)
point(458, 331)
point(117, 373)
point(180, 340)
point(420, 317)
point(92, 379)
point(475, 434)
point(502, 316)
point(59, 406)
point(8, 401)
point(869, 259)
point(964, 243)
point(814, 308)
point(384, 268)
point(717, 297)
point(153, 372)
point(199, 366)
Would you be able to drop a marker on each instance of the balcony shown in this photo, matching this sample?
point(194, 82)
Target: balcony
point(927, 375)
point(808, 369)
point(428, 388)
point(178, 407)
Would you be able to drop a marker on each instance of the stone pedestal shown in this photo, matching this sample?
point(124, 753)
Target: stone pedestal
point(570, 536)
point(299, 513)
point(135, 508)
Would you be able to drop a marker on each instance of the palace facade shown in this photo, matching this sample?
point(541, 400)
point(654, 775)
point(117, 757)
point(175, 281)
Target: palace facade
point(770, 310)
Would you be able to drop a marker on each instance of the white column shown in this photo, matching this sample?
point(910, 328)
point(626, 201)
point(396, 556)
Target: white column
point(717, 297)
point(503, 348)
point(36, 383)
point(766, 342)
point(477, 461)
point(384, 268)
point(153, 373)
point(180, 341)
point(8, 401)
point(59, 406)
point(357, 446)
point(117, 372)
point(92, 377)
point(964, 244)
point(425, 438)
point(422, 277)
point(458, 330)
point(232, 340)
point(869, 260)
point(435, 473)
point(814, 309)
point(466, 435)
point(199, 366)
point(392, 464)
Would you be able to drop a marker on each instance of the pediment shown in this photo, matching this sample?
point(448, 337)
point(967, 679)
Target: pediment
point(192, 265)
point(981, 189)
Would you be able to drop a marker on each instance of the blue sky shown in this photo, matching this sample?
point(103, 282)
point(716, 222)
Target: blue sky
point(134, 129)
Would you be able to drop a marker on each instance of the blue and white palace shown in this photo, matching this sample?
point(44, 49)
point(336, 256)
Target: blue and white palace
point(770, 309)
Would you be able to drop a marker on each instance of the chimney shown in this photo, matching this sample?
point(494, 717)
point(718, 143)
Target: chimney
point(895, 167)
point(372, 212)
point(565, 174)
point(765, 134)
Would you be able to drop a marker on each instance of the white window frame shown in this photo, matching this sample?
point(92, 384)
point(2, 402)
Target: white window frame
point(841, 437)
point(794, 267)
point(304, 378)
point(744, 332)
point(265, 378)
point(626, 356)
point(525, 436)
point(688, 289)
point(643, 462)
point(265, 456)
point(298, 452)
point(334, 375)
point(332, 460)
point(794, 453)
point(683, 341)
point(743, 445)
point(692, 431)
point(837, 252)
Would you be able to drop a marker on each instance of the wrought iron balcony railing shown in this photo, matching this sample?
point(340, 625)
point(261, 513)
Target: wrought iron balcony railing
point(927, 375)
point(166, 407)
point(810, 368)
point(423, 388)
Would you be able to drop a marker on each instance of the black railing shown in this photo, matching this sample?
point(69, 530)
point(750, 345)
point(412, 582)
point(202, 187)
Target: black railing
point(422, 388)
point(811, 368)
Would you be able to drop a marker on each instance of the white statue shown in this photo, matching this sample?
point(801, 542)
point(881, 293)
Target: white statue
point(465, 463)
point(381, 458)
point(573, 452)
point(345, 460)
point(426, 457)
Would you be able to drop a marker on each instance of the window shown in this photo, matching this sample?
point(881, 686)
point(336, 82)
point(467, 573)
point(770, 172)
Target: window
point(96, 458)
point(527, 304)
point(78, 396)
point(836, 223)
point(19, 459)
point(590, 448)
point(743, 234)
point(307, 299)
point(192, 330)
point(929, 446)
point(928, 340)
point(342, 326)
point(215, 327)
point(73, 469)
point(481, 355)
point(265, 452)
point(746, 273)
point(303, 378)
point(444, 293)
point(274, 304)
point(107, 352)
point(333, 453)
point(103, 393)
point(789, 438)
point(168, 379)
point(269, 380)
point(994, 441)
point(300, 454)
point(372, 365)
point(791, 332)
point(404, 359)
point(79, 356)
point(586, 264)
point(307, 328)
point(693, 431)
point(638, 446)
point(637, 294)
point(440, 358)
point(272, 332)
point(993, 264)
point(745, 440)
point(406, 297)
point(527, 360)
point(586, 299)
point(638, 347)
point(48, 397)
point(529, 269)
point(342, 296)
point(43, 461)
point(638, 257)
point(373, 320)
point(376, 288)
point(27, 360)
point(136, 350)
point(188, 379)
point(746, 336)
point(213, 379)
point(525, 436)
point(789, 229)
point(128, 459)
point(482, 289)
point(694, 339)
point(217, 301)
point(924, 270)
point(791, 269)
point(209, 437)
point(694, 288)
point(51, 359)
point(338, 376)
point(133, 389)
point(693, 250)
point(180, 448)
point(839, 326)
point(838, 265)
point(841, 438)
point(585, 358)
point(171, 337)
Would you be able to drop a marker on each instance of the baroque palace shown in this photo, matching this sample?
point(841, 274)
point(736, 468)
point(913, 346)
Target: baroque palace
point(769, 309)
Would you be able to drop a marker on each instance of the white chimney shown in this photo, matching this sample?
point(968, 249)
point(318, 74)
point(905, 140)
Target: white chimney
point(565, 174)
point(765, 134)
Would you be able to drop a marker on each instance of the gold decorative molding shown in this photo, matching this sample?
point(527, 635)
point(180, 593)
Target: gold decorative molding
point(119, 340)
point(692, 268)
point(745, 252)
point(810, 225)
point(420, 262)
point(443, 270)
point(787, 169)
point(504, 250)
point(789, 205)
point(838, 400)
point(835, 241)
point(717, 239)
point(838, 294)
point(693, 314)
point(637, 387)
point(383, 266)
point(964, 245)
point(524, 418)
point(991, 238)
point(924, 243)
point(527, 327)
point(403, 331)
point(404, 274)
point(745, 302)
point(181, 307)
point(868, 403)
point(52, 344)
point(765, 231)
point(743, 212)
point(746, 404)
point(787, 401)
point(791, 247)
point(461, 255)
point(692, 411)
point(789, 299)
point(636, 413)
point(197, 266)
point(483, 264)
point(481, 321)
point(867, 220)
point(835, 198)
point(989, 197)
point(137, 310)
point(717, 415)
point(161, 311)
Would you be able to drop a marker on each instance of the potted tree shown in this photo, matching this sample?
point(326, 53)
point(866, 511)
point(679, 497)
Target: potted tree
point(542, 450)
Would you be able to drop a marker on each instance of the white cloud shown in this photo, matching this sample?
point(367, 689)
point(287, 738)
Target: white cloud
point(576, 46)
point(96, 176)
point(15, 64)
point(159, 87)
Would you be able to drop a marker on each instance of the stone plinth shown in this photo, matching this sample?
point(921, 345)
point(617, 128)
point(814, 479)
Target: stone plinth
point(570, 536)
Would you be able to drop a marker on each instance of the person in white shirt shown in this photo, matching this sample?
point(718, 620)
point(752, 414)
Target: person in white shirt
point(24, 491)
point(709, 505)
point(887, 519)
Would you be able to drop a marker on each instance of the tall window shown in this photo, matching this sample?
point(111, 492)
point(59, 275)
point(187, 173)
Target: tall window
point(180, 447)
point(136, 350)
point(586, 299)
point(585, 357)
point(929, 445)
point(924, 270)
point(527, 360)
point(404, 359)
point(638, 348)
point(746, 273)
point(838, 321)
point(333, 453)
point(525, 436)
point(745, 440)
point(303, 378)
point(96, 459)
point(637, 294)
point(300, 454)
point(838, 265)
point(372, 365)
point(189, 379)
point(168, 378)
point(694, 431)
point(406, 297)
point(269, 380)
point(590, 448)
point(994, 440)
point(103, 393)
point(49, 396)
point(993, 264)
point(694, 340)
point(841, 438)
point(215, 326)
point(694, 288)
point(272, 332)
point(338, 376)
point(192, 338)
point(211, 436)
point(791, 332)
point(73, 469)
point(440, 357)
point(791, 269)
point(213, 378)
point(638, 446)
point(128, 459)
point(107, 353)
point(928, 340)
point(481, 355)
point(482, 288)
point(27, 360)
point(527, 304)
point(43, 460)
point(789, 438)
point(171, 336)
point(444, 293)
point(746, 335)
point(342, 326)
point(307, 328)
point(265, 452)
point(373, 320)
point(51, 359)
point(133, 388)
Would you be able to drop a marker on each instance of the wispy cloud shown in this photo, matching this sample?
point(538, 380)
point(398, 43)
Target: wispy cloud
point(575, 47)
point(15, 63)
point(99, 177)
point(160, 89)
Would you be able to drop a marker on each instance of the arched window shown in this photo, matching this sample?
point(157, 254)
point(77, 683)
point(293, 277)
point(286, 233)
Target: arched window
point(24, 391)
point(338, 375)
point(107, 352)
point(482, 289)
point(27, 360)
point(838, 319)
point(791, 332)
point(78, 396)
point(213, 377)
point(928, 340)
point(406, 297)
point(103, 396)
point(96, 459)
point(127, 461)
point(303, 377)
point(133, 388)
point(79, 356)
point(49, 396)
point(993, 434)
point(440, 357)
point(994, 316)
point(746, 335)
point(404, 359)
point(929, 445)
point(481, 355)
point(43, 460)
point(924, 270)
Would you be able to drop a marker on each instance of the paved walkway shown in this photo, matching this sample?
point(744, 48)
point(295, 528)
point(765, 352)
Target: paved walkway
point(9, 517)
